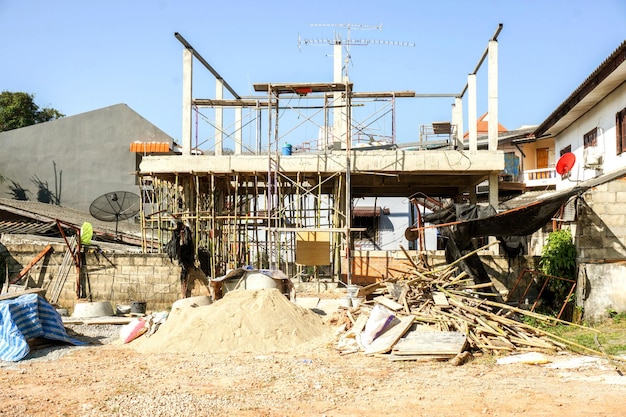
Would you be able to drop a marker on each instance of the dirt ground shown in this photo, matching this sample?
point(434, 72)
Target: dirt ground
point(114, 379)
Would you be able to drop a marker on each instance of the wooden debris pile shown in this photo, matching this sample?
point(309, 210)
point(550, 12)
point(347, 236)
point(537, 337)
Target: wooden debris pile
point(440, 313)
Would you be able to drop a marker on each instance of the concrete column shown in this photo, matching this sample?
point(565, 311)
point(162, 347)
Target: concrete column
point(471, 112)
point(238, 133)
point(187, 98)
point(219, 118)
point(492, 88)
point(337, 101)
point(457, 120)
point(493, 200)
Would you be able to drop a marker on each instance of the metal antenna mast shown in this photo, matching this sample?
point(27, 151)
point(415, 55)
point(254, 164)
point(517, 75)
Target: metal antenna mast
point(340, 44)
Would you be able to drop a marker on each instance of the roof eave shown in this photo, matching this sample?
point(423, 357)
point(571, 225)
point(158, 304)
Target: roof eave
point(614, 61)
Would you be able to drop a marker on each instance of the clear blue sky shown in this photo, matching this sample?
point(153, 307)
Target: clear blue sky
point(77, 56)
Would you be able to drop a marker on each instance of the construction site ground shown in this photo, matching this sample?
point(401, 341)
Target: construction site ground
point(109, 378)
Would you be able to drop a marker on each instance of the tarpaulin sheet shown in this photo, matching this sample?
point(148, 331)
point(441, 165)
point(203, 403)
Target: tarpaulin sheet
point(520, 221)
point(26, 317)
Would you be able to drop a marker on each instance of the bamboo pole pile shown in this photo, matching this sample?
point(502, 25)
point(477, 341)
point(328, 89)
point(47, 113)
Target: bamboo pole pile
point(445, 299)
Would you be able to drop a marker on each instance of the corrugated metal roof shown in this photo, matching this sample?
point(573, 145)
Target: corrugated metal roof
point(31, 217)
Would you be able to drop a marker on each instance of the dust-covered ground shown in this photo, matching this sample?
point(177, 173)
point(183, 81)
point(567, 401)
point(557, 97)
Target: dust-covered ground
point(254, 353)
point(108, 378)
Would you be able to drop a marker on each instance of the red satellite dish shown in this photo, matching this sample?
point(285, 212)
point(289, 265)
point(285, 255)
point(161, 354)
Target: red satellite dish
point(565, 163)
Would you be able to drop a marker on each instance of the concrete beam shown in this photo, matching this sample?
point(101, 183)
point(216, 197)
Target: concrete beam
point(399, 161)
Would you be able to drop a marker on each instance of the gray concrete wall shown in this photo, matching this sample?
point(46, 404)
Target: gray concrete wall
point(79, 157)
point(601, 242)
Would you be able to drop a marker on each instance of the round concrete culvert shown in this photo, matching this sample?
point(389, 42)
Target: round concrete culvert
point(94, 309)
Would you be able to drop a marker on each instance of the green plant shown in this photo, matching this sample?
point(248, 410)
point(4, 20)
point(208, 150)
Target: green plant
point(558, 259)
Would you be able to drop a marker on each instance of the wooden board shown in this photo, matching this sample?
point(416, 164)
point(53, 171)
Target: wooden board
point(390, 304)
point(360, 323)
point(421, 342)
point(313, 248)
point(419, 358)
point(8, 296)
point(384, 342)
point(32, 263)
point(440, 299)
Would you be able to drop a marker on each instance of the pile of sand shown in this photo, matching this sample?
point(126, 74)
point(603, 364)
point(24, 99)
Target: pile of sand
point(261, 321)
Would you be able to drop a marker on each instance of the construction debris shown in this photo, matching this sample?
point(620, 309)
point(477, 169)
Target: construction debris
point(442, 314)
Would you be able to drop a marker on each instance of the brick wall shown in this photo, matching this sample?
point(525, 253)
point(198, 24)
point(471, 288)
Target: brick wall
point(600, 237)
point(369, 267)
point(118, 278)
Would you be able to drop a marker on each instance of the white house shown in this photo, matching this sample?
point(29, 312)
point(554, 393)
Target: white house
point(589, 132)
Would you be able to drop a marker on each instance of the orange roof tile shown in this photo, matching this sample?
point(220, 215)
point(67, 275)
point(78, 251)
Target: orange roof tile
point(482, 126)
point(149, 147)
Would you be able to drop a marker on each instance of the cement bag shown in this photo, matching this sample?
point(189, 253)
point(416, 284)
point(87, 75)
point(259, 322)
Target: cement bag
point(133, 330)
point(379, 318)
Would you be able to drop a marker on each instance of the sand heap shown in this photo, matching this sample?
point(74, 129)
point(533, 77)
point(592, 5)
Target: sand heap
point(261, 321)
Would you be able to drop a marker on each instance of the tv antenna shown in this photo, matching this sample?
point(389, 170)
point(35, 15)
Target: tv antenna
point(340, 45)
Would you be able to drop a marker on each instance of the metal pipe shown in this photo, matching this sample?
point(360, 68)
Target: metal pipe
point(206, 64)
point(482, 58)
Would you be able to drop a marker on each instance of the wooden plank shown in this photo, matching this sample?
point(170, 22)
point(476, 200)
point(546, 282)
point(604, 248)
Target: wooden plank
point(390, 304)
point(32, 263)
point(440, 299)
point(360, 323)
point(422, 342)
point(312, 252)
point(419, 358)
point(384, 342)
point(99, 320)
point(11, 295)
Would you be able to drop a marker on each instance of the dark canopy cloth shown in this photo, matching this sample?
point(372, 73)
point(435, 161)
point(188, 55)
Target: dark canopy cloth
point(519, 221)
point(471, 221)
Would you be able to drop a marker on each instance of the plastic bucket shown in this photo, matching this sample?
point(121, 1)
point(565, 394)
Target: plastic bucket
point(352, 290)
point(287, 149)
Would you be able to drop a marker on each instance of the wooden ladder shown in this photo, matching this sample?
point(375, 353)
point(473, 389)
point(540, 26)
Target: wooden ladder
point(56, 286)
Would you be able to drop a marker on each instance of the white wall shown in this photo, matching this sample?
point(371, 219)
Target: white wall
point(394, 224)
point(601, 116)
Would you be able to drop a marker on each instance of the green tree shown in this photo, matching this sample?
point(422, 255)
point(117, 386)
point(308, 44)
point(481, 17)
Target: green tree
point(19, 110)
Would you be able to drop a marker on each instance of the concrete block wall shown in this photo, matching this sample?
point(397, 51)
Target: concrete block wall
point(114, 277)
point(600, 237)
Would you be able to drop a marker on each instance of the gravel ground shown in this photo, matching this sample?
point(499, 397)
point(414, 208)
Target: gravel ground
point(107, 378)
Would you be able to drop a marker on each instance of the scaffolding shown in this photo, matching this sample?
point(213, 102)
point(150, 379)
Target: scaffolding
point(281, 196)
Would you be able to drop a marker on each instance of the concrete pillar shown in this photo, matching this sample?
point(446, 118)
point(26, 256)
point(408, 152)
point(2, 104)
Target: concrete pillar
point(187, 98)
point(492, 88)
point(337, 101)
point(238, 127)
point(457, 121)
point(493, 200)
point(219, 118)
point(471, 112)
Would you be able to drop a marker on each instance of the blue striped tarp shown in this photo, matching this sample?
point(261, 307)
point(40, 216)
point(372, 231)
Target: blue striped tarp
point(26, 317)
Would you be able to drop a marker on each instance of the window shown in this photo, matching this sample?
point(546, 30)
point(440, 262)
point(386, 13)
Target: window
point(370, 234)
point(565, 150)
point(591, 138)
point(620, 129)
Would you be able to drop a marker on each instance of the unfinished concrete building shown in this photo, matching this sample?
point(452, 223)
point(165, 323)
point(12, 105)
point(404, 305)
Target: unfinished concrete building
point(274, 186)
